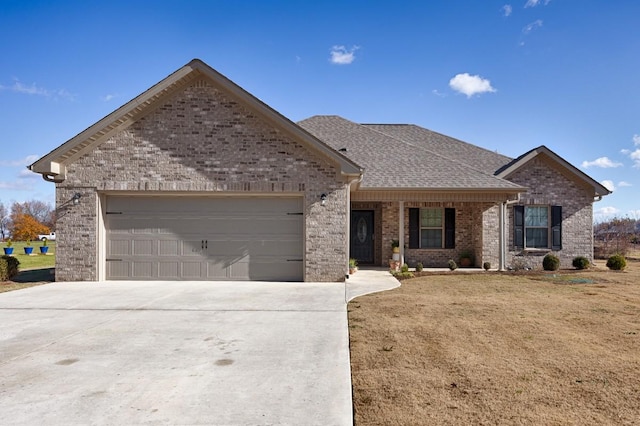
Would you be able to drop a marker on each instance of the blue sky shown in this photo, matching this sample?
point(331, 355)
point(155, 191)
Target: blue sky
point(505, 75)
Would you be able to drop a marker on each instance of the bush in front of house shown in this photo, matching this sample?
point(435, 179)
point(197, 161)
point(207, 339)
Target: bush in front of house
point(581, 262)
point(486, 266)
point(617, 262)
point(453, 265)
point(404, 268)
point(551, 262)
point(8, 267)
point(419, 267)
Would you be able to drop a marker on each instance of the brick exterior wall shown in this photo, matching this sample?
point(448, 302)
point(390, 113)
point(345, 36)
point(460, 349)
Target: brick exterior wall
point(202, 141)
point(469, 234)
point(491, 235)
point(548, 186)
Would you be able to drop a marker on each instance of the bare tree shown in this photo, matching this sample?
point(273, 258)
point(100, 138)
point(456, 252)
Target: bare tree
point(39, 210)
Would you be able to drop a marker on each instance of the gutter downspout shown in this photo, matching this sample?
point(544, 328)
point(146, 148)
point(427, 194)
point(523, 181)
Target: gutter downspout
point(401, 231)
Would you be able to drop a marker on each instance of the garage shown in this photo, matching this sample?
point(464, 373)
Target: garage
point(204, 238)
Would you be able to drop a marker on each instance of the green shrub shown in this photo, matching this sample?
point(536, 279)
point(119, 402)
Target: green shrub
point(404, 268)
point(453, 265)
point(403, 275)
point(486, 266)
point(551, 262)
point(581, 262)
point(617, 262)
point(419, 267)
point(8, 267)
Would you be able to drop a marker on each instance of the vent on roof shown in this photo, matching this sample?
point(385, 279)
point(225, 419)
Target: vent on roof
point(343, 150)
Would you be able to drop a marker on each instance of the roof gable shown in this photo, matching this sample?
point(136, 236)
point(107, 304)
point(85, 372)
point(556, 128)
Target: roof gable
point(569, 170)
point(53, 165)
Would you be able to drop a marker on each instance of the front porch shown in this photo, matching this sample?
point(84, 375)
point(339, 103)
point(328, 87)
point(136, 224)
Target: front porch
point(430, 232)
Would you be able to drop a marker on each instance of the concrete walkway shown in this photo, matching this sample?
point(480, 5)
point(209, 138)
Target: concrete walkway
point(222, 353)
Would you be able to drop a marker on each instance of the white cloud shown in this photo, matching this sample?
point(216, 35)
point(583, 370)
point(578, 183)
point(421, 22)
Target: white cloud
point(633, 155)
point(507, 9)
point(107, 98)
point(534, 3)
point(15, 186)
point(532, 26)
point(340, 55)
point(603, 162)
point(636, 140)
point(27, 174)
point(437, 93)
point(34, 89)
point(622, 184)
point(29, 159)
point(609, 185)
point(470, 84)
point(604, 213)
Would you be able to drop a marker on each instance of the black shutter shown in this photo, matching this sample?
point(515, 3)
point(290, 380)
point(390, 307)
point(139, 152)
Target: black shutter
point(518, 226)
point(414, 228)
point(556, 227)
point(449, 228)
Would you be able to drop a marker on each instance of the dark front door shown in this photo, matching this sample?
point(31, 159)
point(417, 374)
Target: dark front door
point(362, 236)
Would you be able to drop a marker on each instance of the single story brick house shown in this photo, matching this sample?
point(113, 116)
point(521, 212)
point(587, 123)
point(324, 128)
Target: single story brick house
point(196, 179)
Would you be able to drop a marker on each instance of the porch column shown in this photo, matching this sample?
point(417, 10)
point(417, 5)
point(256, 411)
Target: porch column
point(502, 254)
point(401, 230)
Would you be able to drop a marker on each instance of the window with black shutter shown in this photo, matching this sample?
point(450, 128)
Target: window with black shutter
point(432, 228)
point(537, 227)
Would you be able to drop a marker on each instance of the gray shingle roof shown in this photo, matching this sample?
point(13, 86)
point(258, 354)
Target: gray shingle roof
point(390, 161)
point(477, 157)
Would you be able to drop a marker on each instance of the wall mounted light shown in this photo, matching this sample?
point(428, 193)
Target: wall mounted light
point(76, 198)
point(323, 199)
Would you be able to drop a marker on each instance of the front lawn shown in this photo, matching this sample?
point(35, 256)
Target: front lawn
point(35, 269)
point(488, 348)
point(35, 260)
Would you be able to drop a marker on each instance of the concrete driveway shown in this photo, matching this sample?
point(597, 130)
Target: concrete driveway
point(175, 353)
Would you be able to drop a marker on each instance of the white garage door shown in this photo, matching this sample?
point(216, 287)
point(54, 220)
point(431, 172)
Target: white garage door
point(204, 238)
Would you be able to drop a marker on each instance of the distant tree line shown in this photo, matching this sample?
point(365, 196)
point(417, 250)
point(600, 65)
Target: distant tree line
point(25, 221)
point(615, 236)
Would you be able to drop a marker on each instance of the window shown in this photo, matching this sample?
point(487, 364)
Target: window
point(538, 227)
point(432, 228)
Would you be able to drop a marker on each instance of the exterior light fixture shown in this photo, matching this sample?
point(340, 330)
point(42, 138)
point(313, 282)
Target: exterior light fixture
point(76, 198)
point(323, 199)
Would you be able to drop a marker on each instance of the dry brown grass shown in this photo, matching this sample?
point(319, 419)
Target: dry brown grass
point(499, 349)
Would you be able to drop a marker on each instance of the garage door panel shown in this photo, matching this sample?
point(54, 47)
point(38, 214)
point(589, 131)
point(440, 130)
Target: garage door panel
point(119, 247)
point(142, 269)
point(192, 270)
point(118, 269)
point(204, 238)
point(169, 270)
point(168, 248)
point(143, 247)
